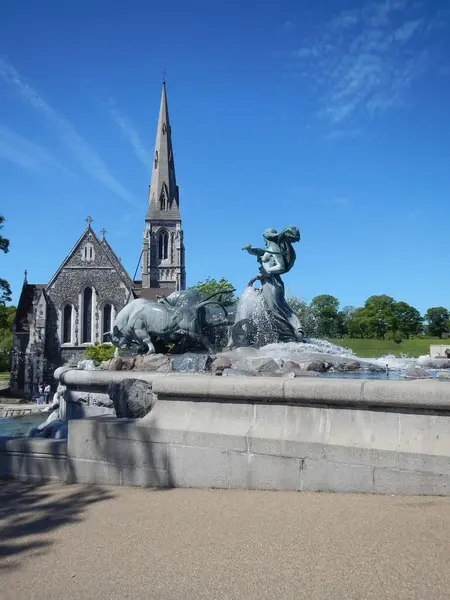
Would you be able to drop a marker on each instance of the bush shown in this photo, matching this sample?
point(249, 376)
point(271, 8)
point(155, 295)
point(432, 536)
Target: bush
point(5, 351)
point(398, 337)
point(99, 353)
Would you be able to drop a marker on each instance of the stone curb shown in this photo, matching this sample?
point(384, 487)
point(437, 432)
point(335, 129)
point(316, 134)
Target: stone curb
point(343, 392)
point(425, 394)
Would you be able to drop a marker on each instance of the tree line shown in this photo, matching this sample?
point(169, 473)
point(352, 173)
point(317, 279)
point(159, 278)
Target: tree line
point(381, 316)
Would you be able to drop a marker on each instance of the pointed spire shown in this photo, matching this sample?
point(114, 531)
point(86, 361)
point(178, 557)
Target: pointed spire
point(163, 192)
point(25, 277)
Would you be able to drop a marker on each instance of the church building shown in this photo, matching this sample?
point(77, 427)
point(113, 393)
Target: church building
point(56, 321)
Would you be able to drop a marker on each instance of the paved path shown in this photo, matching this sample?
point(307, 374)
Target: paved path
point(86, 543)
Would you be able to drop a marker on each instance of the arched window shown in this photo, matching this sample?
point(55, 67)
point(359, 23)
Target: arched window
point(163, 245)
point(86, 337)
point(106, 327)
point(67, 324)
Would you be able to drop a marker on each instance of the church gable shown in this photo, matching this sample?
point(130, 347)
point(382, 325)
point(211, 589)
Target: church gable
point(88, 290)
point(91, 254)
point(86, 253)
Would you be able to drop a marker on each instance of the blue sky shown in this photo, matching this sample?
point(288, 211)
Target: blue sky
point(329, 115)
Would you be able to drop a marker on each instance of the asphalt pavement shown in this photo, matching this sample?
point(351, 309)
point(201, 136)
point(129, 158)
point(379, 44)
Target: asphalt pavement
point(91, 542)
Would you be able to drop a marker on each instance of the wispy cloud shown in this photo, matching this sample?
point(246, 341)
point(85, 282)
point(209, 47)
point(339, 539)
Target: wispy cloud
point(130, 134)
point(86, 157)
point(363, 61)
point(26, 153)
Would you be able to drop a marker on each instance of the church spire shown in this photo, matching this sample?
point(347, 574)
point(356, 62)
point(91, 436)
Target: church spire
point(163, 192)
point(162, 266)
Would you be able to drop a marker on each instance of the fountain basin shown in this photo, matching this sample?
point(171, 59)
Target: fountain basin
point(268, 433)
point(386, 437)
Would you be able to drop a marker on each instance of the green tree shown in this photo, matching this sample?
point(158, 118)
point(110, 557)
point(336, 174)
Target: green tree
point(360, 324)
point(211, 286)
point(406, 320)
point(7, 314)
point(379, 314)
point(347, 312)
point(438, 321)
point(305, 315)
point(5, 290)
point(325, 309)
point(345, 316)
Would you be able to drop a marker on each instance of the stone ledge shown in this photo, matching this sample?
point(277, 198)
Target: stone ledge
point(419, 394)
point(34, 446)
point(80, 377)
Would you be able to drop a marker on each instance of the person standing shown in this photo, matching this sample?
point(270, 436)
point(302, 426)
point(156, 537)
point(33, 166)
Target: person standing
point(47, 390)
point(40, 397)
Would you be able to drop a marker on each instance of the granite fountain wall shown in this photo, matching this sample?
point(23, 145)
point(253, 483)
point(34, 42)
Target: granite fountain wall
point(337, 435)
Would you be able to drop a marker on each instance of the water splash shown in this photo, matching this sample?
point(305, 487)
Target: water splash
point(394, 363)
point(251, 308)
point(86, 365)
point(318, 349)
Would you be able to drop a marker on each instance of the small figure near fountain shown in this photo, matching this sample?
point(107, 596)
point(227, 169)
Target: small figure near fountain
point(276, 259)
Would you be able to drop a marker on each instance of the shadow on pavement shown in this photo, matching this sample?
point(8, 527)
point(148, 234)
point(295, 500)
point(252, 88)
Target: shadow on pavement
point(29, 512)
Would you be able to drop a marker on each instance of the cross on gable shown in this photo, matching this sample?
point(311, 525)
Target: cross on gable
point(89, 221)
point(102, 232)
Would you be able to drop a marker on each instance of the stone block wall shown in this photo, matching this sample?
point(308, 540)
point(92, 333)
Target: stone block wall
point(197, 443)
point(28, 459)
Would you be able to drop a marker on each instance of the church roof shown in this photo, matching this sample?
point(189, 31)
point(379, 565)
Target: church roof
point(155, 293)
point(25, 305)
point(115, 260)
point(163, 191)
point(105, 248)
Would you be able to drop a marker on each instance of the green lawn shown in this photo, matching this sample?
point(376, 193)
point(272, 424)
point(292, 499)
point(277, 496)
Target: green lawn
point(375, 348)
point(4, 376)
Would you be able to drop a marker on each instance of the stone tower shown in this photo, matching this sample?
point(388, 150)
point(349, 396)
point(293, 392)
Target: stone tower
point(163, 269)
